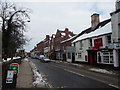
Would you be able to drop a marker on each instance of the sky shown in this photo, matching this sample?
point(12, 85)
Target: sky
point(49, 15)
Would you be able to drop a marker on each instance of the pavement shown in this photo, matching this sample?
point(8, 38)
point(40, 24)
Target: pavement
point(25, 75)
point(102, 67)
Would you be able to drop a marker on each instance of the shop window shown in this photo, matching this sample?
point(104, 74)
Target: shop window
point(107, 57)
point(99, 57)
point(69, 55)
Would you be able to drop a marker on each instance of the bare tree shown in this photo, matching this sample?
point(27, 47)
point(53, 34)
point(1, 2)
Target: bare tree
point(13, 26)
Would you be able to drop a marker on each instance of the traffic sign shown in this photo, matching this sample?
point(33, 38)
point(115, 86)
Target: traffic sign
point(14, 66)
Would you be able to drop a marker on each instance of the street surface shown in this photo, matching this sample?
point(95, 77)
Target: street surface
point(65, 76)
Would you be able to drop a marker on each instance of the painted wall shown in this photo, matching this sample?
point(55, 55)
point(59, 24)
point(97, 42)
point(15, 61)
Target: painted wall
point(81, 52)
point(86, 45)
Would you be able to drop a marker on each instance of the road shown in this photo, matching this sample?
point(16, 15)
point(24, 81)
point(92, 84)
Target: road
point(60, 77)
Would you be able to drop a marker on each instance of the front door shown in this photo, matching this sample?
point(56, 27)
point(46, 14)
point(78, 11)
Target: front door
point(92, 57)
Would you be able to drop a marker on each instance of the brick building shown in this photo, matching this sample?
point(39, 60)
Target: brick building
point(56, 48)
point(51, 46)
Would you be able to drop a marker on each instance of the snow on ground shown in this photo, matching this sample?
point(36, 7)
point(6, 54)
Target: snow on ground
point(78, 65)
point(8, 59)
point(101, 70)
point(26, 59)
point(16, 57)
point(39, 82)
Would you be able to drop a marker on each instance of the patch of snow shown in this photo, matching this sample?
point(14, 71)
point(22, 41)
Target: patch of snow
point(101, 70)
point(38, 80)
point(78, 65)
point(26, 59)
point(8, 59)
point(16, 57)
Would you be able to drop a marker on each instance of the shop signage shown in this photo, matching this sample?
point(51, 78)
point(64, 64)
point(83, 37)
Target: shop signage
point(9, 78)
point(117, 45)
point(114, 46)
point(14, 66)
point(98, 42)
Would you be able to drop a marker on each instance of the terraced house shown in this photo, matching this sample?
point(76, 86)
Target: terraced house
point(98, 44)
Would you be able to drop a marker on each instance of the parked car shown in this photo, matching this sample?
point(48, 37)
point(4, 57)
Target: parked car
point(45, 59)
point(41, 57)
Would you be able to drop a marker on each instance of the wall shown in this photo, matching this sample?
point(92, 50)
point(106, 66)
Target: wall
point(115, 28)
point(82, 50)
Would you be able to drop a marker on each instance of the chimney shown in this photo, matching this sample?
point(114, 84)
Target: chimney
point(47, 37)
point(94, 20)
point(117, 4)
point(66, 33)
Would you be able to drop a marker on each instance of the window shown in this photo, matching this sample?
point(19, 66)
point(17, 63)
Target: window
point(81, 45)
point(90, 42)
point(106, 57)
point(74, 44)
point(79, 55)
point(69, 55)
point(109, 39)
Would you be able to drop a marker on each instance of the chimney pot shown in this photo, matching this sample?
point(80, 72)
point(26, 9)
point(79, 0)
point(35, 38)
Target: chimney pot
point(94, 20)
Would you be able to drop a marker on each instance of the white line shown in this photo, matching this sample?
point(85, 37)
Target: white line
point(75, 73)
point(72, 71)
point(113, 86)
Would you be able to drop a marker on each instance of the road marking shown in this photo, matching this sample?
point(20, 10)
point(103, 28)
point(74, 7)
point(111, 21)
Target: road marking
point(71, 71)
point(113, 86)
point(75, 73)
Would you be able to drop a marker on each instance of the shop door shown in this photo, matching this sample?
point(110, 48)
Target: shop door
point(92, 57)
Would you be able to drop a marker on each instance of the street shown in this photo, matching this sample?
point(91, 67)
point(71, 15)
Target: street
point(62, 76)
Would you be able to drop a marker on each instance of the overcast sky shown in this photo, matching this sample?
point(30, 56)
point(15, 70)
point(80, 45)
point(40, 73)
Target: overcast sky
point(48, 16)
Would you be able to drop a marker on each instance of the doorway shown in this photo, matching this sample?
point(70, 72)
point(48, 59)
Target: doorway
point(73, 57)
point(92, 57)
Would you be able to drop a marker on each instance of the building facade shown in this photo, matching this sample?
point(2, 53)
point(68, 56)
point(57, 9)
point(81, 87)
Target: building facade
point(115, 19)
point(56, 48)
point(92, 47)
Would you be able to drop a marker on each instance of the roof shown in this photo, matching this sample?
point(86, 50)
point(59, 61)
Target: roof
point(118, 1)
point(90, 30)
point(115, 12)
point(100, 31)
point(71, 34)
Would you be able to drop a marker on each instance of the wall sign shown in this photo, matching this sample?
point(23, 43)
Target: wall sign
point(98, 42)
point(9, 78)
